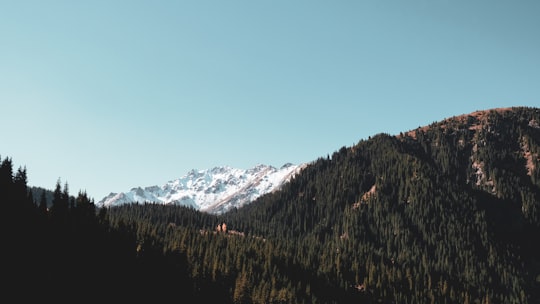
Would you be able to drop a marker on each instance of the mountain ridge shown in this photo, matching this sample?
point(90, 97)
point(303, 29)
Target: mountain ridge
point(457, 200)
point(214, 190)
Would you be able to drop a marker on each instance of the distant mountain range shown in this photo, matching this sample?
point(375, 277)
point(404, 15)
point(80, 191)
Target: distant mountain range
point(215, 190)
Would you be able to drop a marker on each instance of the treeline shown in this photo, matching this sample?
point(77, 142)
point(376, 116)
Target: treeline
point(444, 214)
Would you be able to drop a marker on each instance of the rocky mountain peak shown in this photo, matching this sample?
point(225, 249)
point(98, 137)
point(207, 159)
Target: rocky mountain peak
point(215, 190)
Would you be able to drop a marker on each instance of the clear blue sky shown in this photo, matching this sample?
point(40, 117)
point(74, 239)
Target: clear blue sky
point(107, 95)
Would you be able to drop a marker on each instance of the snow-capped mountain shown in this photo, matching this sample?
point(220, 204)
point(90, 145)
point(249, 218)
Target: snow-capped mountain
point(215, 190)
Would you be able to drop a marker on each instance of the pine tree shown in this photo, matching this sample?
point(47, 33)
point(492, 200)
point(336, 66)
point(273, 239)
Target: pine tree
point(60, 204)
point(43, 208)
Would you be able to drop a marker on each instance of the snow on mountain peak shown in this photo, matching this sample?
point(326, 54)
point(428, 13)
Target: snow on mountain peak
point(215, 190)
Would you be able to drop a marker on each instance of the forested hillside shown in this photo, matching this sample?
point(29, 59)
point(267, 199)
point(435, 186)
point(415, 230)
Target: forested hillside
point(446, 213)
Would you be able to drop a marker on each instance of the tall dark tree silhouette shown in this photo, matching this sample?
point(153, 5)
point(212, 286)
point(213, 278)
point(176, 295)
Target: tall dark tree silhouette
point(6, 181)
point(60, 205)
point(42, 205)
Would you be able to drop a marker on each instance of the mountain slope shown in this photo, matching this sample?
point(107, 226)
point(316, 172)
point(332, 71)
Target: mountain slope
point(215, 190)
point(448, 212)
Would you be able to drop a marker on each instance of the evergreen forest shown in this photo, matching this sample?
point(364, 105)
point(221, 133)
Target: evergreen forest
point(445, 213)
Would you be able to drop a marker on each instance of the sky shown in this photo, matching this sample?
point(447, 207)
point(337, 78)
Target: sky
point(110, 95)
